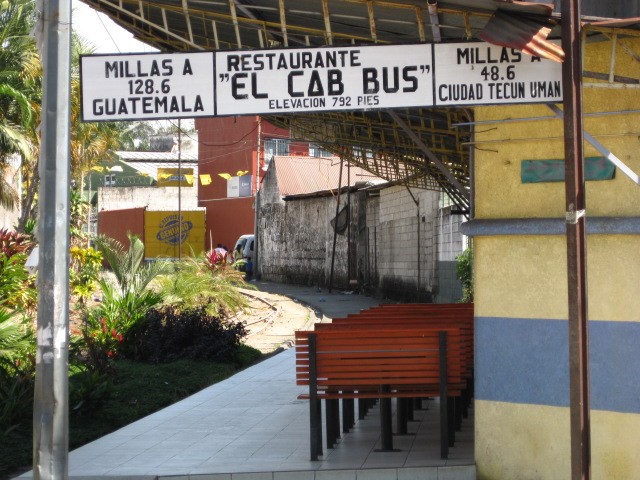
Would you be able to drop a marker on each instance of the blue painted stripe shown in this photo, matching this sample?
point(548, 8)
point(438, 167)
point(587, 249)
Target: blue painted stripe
point(527, 361)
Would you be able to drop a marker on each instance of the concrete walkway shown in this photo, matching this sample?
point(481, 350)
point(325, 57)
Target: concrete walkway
point(252, 427)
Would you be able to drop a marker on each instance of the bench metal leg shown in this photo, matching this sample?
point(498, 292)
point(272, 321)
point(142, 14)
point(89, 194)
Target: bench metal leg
point(386, 433)
point(333, 421)
point(348, 409)
point(401, 416)
point(362, 408)
point(451, 420)
point(315, 413)
point(319, 429)
point(444, 428)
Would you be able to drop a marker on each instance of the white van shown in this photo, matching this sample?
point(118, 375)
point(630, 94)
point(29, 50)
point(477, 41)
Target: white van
point(244, 245)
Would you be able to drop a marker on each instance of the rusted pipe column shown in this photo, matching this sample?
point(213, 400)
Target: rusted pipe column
point(576, 243)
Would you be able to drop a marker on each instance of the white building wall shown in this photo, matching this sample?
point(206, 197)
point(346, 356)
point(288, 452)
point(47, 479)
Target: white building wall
point(153, 198)
point(451, 243)
point(401, 248)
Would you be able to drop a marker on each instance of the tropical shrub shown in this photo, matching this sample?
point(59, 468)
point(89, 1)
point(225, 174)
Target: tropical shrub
point(464, 270)
point(86, 264)
point(12, 243)
point(89, 391)
point(105, 326)
point(17, 287)
point(196, 282)
point(17, 370)
point(131, 272)
point(79, 210)
point(169, 333)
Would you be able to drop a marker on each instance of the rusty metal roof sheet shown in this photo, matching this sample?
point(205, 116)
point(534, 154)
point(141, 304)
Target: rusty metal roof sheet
point(299, 175)
point(616, 23)
point(526, 33)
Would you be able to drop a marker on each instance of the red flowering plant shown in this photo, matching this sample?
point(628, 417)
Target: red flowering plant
point(105, 327)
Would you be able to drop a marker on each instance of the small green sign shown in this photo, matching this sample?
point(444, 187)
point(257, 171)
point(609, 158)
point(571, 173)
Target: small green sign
point(539, 171)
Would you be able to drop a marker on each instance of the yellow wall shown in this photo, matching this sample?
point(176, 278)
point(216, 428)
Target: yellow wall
point(532, 442)
point(501, 147)
point(532, 278)
point(523, 279)
point(161, 232)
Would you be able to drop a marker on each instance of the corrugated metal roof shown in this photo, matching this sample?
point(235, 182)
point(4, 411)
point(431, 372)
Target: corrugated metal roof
point(156, 156)
point(171, 25)
point(526, 33)
point(617, 23)
point(306, 175)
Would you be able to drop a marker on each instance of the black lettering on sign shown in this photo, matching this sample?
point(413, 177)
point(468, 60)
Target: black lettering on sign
point(460, 92)
point(237, 85)
point(233, 62)
point(390, 80)
point(507, 90)
point(186, 69)
point(370, 84)
point(315, 85)
point(105, 107)
point(123, 69)
point(479, 55)
point(410, 79)
point(254, 87)
point(290, 78)
point(334, 81)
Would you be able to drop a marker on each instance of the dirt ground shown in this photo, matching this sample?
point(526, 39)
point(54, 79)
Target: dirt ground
point(272, 320)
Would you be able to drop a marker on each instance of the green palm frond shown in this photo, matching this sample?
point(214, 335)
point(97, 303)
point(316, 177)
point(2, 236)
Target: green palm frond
point(14, 338)
point(128, 266)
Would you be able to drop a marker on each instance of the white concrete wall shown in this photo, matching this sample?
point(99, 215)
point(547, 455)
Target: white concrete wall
point(401, 242)
point(399, 249)
point(154, 198)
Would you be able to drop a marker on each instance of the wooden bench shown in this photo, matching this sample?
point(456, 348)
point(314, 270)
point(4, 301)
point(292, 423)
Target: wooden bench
point(459, 405)
point(404, 361)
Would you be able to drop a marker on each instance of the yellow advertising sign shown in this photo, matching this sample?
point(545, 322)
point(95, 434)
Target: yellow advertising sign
point(171, 235)
point(175, 177)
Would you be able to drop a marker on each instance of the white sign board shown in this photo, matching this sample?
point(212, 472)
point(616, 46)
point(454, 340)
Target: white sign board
point(210, 84)
point(147, 86)
point(482, 74)
point(340, 78)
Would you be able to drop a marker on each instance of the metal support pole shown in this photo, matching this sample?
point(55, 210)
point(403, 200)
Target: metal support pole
point(51, 396)
point(444, 402)
point(315, 430)
point(576, 243)
point(349, 225)
point(179, 190)
point(386, 433)
point(335, 226)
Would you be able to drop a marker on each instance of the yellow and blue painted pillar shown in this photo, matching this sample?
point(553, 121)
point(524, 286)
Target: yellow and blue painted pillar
point(522, 346)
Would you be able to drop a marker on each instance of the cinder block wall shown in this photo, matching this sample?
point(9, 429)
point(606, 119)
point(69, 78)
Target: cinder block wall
point(450, 243)
point(405, 239)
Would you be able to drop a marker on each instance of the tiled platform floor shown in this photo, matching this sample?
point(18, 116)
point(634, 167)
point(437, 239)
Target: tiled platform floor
point(252, 427)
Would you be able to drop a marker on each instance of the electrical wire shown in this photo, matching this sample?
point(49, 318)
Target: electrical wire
point(108, 32)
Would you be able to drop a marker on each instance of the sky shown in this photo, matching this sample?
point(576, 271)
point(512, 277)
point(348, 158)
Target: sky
point(102, 32)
